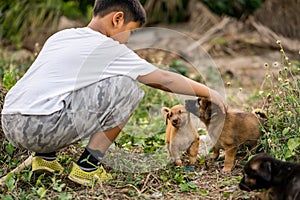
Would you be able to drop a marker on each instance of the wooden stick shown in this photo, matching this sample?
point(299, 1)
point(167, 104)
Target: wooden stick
point(18, 169)
point(211, 33)
point(269, 37)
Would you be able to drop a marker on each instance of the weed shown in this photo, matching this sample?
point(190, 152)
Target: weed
point(9, 79)
point(281, 96)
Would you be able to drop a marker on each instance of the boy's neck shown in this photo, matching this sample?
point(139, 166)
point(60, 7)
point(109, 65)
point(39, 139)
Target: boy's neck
point(99, 25)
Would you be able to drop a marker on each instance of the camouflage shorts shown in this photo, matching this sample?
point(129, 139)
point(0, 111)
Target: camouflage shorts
point(95, 108)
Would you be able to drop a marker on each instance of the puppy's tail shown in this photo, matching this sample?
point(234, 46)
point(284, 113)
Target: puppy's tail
point(260, 114)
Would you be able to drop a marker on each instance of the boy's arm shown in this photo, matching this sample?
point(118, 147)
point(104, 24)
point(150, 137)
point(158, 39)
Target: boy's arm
point(176, 83)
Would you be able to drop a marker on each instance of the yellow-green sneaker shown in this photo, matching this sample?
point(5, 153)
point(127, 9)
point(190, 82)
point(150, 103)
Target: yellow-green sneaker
point(40, 164)
point(88, 178)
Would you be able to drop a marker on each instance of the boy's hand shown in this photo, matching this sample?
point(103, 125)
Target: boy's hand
point(216, 98)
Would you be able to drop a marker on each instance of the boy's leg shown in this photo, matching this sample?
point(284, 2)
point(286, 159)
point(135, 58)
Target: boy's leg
point(88, 168)
point(102, 141)
point(102, 110)
point(97, 146)
point(47, 156)
point(34, 133)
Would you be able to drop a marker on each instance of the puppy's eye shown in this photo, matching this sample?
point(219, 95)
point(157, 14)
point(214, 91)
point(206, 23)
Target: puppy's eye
point(179, 111)
point(171, 114)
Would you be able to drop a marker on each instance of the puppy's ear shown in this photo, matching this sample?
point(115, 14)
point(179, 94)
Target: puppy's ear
point(265, 171)
point(204, 102)
point(165, 110)
point(199, 100)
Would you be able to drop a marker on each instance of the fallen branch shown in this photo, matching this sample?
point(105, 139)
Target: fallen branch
point(18, 169)
point(211, 33)
point(269, 37)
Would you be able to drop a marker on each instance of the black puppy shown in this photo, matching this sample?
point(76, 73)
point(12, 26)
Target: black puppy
point(280, 179)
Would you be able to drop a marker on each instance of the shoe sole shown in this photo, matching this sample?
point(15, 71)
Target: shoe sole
point(81, 181)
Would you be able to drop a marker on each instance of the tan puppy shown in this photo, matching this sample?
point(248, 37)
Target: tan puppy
point(181, 134)
point(228, 131)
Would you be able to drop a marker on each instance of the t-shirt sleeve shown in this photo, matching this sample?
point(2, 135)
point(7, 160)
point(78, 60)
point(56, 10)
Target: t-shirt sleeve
point(130, 64)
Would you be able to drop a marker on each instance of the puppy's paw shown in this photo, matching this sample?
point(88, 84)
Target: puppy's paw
point(192, 160)
point(226, 170)
point(178, 162)
point(214, 156)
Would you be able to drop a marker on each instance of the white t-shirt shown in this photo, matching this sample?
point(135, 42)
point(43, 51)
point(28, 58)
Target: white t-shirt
point(71, 59)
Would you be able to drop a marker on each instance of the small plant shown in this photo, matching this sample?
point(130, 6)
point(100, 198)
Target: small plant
point(281, 96)
point(9, 79)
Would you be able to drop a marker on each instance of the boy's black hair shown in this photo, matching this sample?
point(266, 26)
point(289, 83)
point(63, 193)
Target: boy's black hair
point(133, 10)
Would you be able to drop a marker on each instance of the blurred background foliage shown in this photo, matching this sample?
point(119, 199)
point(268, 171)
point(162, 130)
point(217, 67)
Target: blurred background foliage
point(20, 19)
point(240, 9)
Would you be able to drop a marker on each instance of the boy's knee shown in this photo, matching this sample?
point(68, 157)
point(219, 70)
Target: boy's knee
point(127, 88)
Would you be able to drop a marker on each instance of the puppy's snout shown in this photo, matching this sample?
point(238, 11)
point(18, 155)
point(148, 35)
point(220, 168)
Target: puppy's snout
point(176, 122)
point(192, 106)
point(244, 187)
point(245, 184)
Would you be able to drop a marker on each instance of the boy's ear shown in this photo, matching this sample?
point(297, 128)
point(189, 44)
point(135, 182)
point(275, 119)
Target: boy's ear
point(118, 19)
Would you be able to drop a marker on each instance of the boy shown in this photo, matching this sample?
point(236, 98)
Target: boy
point(81, 85)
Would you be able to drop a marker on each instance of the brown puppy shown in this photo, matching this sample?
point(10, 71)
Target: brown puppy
point(228, 131)
point(181, 134)
point(280, 179)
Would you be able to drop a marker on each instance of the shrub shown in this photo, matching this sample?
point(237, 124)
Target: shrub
point(281, 97)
